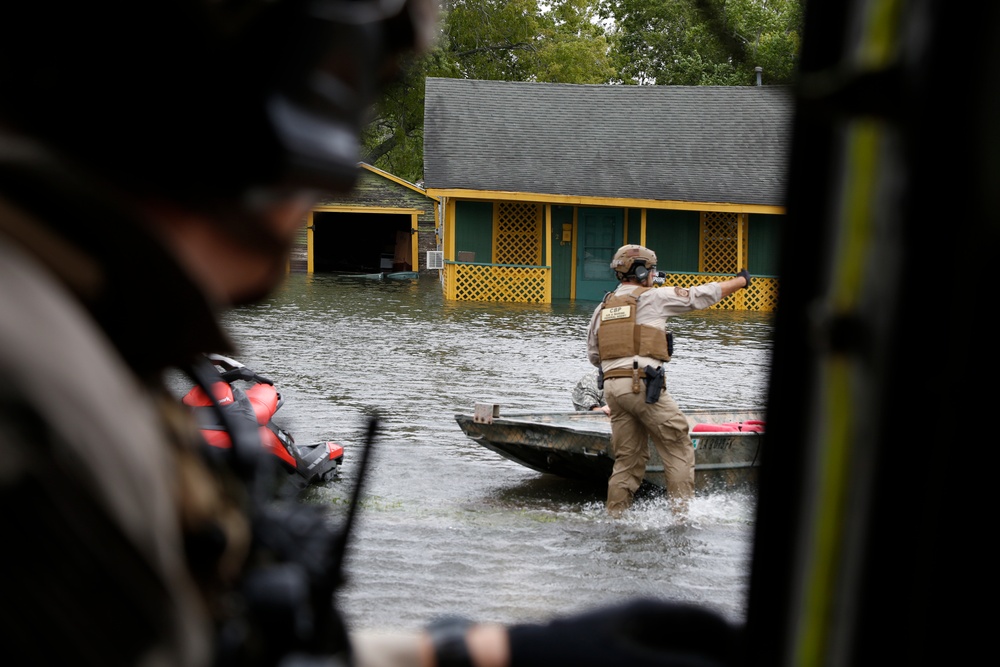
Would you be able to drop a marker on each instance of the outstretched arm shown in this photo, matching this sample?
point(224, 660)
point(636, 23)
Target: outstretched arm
point(740, 281)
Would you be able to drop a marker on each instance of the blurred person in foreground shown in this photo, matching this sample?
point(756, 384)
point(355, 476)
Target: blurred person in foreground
point(157, 159)
point(626, 341)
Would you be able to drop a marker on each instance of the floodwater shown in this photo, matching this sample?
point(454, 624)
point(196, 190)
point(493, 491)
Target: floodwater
point(447, 526)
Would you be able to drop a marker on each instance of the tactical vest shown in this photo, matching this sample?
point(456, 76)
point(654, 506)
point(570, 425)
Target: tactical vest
point(619, 335)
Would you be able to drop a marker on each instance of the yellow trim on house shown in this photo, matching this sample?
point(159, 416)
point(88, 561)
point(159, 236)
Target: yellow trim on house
point(394, 179)
point(310, 264)
point(414, 242)
point(367, 209)
point(612, 202)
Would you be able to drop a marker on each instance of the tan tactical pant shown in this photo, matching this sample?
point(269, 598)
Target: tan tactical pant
point(633, 423)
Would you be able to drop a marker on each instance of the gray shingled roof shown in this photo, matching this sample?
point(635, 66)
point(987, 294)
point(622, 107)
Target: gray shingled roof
point(689, 143)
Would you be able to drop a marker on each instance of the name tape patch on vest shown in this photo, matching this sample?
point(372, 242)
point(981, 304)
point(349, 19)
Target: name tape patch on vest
point(616, 313)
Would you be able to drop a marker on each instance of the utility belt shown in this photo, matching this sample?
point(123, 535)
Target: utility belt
point(655, 379)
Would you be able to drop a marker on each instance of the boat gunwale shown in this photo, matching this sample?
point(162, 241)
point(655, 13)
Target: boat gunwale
point(572, 421)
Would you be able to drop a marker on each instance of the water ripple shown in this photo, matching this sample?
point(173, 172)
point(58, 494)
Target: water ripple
point(450, 527)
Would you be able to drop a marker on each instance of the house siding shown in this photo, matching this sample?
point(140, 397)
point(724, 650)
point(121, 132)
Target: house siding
point(475, 234)
point(673, 236)
point(765, 237)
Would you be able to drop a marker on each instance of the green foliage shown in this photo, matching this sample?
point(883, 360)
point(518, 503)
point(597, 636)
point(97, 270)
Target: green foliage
point(704, 42)
point(572, 47)
point(663, 42)
point(492, 39)
point(505, 40)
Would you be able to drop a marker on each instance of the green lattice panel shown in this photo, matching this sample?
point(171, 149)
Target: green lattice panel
point(499, 283)
point(518, 234)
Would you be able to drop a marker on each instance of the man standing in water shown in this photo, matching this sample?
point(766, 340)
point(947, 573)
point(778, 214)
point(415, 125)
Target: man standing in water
point(625, 339)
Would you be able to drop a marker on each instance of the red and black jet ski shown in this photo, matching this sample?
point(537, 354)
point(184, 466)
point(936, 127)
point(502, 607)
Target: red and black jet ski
point(257, 399)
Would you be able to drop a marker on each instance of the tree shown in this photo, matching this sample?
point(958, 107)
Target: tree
point(572, 47)
point(506, 40)
point(663, 42)
point(704, 42)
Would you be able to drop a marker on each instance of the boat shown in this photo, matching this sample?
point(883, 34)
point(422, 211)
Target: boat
point(246, 395)
point(393, 275)
point(576, 445)
point(365, 276)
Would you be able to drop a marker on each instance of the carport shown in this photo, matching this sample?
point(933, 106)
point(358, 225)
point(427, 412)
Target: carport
point(383, 225)
point(362, 241)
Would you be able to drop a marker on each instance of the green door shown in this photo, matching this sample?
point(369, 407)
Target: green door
point(601, 231)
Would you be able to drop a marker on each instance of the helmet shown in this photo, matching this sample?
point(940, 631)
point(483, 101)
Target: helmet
point(207, 101)
point(631, 256)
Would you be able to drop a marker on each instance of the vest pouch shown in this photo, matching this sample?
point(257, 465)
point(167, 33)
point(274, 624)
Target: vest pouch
point(653, 343)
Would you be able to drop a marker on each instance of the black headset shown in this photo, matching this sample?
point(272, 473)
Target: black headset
point(640, 270)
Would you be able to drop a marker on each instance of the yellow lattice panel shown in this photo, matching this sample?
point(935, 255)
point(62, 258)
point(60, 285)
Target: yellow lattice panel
point(529, 284)
point(517, 233)
point(762, 294)
point(723, 242)
point(483, 282)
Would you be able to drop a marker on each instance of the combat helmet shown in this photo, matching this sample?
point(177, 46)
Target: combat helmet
point(631, 257)
point(214, 103)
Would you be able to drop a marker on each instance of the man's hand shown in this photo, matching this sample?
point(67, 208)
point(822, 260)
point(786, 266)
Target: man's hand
point(745, 275)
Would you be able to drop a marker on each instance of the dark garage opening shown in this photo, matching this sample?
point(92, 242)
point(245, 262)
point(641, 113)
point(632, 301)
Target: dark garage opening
point(361, 243)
